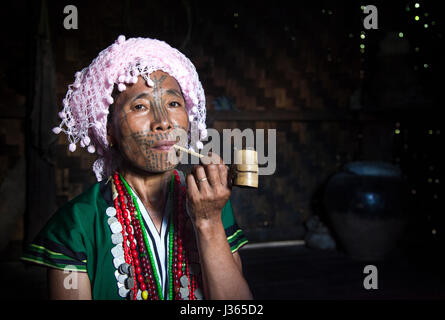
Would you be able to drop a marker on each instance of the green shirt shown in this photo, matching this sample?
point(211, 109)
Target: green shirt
point(77, 237)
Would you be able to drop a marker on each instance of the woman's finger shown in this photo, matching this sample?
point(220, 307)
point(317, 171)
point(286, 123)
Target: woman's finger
point(215, 159)
point(201, 178)
point(212, 173)
point(192, 188)
point(223, 174)
point(211, 158)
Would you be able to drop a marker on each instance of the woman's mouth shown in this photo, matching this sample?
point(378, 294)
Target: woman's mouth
point(163, 145)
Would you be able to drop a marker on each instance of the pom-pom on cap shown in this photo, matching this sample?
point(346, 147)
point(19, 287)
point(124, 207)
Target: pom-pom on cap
point(121, 39)
point(57, 130)
point(110, 99)
point(72, 147)
point(203, 134)
point(150, 82)
point(121, 87)
point(86, 140)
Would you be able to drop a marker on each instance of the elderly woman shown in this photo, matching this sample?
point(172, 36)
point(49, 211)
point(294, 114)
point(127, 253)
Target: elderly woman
point(144, 231)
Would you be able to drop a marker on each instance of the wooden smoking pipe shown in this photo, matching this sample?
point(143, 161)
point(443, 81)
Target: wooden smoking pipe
point(244, 173)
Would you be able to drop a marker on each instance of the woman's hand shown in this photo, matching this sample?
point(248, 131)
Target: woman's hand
point(208, 189)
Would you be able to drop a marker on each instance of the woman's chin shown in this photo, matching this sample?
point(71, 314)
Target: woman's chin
point(162, 169)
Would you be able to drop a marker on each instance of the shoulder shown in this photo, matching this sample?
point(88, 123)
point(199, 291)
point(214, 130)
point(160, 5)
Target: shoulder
point(86, 204)
point(66, 239)
point(88, 198)
point(77, 216)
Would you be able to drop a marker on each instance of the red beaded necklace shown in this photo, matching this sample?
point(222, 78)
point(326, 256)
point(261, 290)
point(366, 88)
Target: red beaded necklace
point(137, 253)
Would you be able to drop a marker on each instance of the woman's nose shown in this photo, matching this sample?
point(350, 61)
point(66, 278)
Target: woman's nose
point(161, 124)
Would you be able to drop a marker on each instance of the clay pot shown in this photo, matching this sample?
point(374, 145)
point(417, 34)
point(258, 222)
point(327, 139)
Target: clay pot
point(365, 205)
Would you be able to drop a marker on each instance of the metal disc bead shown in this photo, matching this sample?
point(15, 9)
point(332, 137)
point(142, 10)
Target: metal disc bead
point(123, 292)
point(131, 271)
point(129, 283)
point(112, 220)
point(117, 238)
point(122, 278)
point(184, 281)
point(124, 268)
point(118, 261)
point(184, 292)
point(116, 227)
point(117, 251)
point(111, 211)
point(198, 294)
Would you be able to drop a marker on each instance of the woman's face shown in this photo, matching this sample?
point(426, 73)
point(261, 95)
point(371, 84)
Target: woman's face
point(144, 118)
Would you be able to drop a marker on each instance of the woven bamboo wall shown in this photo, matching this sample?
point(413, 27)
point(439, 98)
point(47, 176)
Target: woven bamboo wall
point(262, 67)
point(294, 69)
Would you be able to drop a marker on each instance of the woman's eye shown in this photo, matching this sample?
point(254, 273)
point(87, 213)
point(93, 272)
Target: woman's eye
point(174, 104)
point(139, 107)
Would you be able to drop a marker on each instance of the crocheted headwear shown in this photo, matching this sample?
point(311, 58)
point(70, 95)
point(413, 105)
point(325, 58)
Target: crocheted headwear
point(86, 104)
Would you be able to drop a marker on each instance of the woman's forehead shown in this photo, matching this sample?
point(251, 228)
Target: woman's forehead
point(161, 79)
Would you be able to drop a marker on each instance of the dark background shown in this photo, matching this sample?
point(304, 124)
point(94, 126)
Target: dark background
point(298, 69)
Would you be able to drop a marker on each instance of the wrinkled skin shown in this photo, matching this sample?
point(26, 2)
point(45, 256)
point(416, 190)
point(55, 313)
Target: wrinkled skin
point(144, 115)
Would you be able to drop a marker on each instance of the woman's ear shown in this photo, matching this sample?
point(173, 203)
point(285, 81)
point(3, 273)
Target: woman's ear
point(110, 132)
point(111, 135)
point(110, 142)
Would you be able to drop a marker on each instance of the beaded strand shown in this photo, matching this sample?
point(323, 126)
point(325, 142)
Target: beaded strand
point(144, 233)
point(137, 247)
point(121, 215)
point(144, 266)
